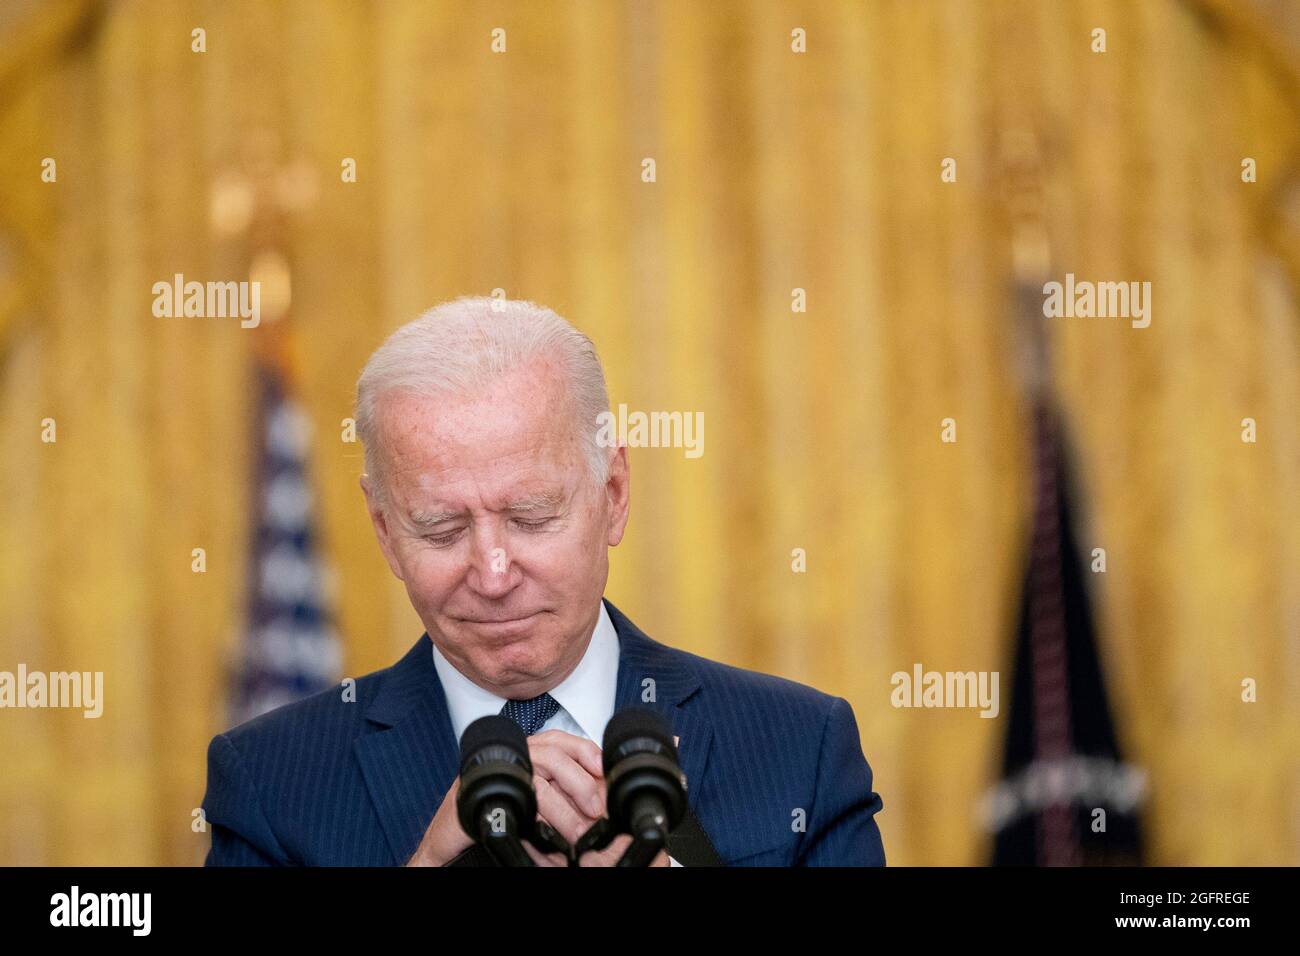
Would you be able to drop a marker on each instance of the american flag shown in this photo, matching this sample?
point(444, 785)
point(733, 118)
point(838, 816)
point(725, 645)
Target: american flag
point(289, 648)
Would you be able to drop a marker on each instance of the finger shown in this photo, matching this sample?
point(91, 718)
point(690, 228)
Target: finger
point(608, 856)
point(585, 752)
point(544, 859)
point(554, 807)
point(584, 791)
point(554, 743)
point(545, 776)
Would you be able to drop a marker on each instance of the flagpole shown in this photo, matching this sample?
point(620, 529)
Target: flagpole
point(1057, 836)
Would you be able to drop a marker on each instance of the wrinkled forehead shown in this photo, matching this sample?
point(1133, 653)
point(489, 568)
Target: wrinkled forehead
point(508, 438)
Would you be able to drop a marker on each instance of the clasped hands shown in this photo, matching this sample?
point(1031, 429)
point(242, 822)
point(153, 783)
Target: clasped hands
point(569, 779)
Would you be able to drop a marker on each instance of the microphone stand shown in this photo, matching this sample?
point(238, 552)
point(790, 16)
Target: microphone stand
point(645, 846)
point(649, 832)
point(506, 848)
point(502, 842)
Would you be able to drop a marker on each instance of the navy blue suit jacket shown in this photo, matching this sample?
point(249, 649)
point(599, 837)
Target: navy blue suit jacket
point(775, 770)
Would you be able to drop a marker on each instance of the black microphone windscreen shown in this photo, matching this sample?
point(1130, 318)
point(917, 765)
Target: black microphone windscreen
point(632, 724)
point(493, 730)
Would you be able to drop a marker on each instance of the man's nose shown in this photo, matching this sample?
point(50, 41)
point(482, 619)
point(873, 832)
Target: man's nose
point(492, 573)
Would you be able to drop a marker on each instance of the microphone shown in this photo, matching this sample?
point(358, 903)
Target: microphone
point(645, 787)
point(496, 803)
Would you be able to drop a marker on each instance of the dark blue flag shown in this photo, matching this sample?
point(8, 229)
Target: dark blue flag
point(1066, 797)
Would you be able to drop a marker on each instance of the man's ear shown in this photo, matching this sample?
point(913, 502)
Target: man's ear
point(380, 520)
point(618, 494)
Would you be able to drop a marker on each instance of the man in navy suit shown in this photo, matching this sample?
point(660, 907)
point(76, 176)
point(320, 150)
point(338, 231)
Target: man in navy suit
point(495, 503)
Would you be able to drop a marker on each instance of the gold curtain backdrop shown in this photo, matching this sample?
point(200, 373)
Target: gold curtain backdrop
point(774, 171)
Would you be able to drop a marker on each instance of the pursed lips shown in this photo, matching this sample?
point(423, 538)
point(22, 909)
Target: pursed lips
point(503, 628)
point(498, 620)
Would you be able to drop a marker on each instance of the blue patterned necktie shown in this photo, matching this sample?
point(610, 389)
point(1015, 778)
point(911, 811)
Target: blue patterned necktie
point(531, 714)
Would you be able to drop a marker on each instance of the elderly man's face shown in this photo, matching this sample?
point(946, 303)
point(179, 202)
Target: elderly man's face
point(497, 529)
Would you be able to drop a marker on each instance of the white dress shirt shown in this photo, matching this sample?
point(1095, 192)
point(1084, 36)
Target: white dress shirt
point(586, 696)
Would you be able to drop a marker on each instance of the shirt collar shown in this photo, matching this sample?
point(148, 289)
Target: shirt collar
point(587, 694)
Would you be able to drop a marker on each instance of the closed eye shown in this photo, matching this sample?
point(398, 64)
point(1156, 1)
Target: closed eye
point(533, 524)
point(444, 538)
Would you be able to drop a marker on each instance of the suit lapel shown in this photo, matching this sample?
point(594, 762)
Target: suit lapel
point(410, 763)
point(652, 675)
point(411, 759)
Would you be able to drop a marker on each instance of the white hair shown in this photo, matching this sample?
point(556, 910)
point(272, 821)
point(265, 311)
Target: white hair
point(459, 346)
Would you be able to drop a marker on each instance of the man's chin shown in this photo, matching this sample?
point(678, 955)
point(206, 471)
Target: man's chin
point(512, 668)
point(507, 658)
